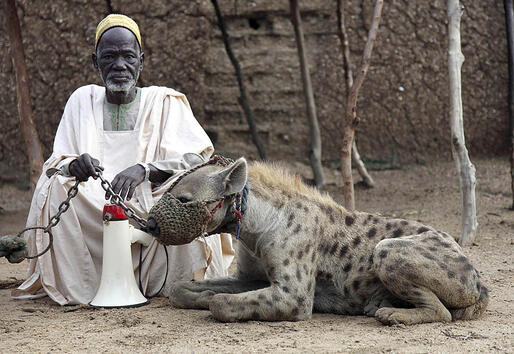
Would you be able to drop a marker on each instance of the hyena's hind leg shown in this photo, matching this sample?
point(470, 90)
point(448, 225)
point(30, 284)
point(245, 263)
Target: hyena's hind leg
point(330, 299)
point(430, 272)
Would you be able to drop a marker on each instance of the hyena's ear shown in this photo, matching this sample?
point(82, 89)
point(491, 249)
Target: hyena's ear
point(233, 177)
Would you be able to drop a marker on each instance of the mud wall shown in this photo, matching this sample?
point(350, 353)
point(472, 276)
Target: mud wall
point(403, 103)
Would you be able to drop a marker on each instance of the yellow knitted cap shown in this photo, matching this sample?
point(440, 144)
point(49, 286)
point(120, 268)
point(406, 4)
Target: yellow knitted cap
point(117, 20)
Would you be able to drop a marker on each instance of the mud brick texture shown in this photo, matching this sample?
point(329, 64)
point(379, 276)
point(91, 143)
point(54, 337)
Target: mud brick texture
point(403, 103)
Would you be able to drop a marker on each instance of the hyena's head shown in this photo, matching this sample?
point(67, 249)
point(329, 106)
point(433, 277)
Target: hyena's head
point(199, 201)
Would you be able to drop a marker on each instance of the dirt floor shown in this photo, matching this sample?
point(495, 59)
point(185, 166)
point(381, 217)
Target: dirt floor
point(428, 193)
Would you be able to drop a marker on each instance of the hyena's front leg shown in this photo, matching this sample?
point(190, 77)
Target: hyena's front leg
point(289, 297)
point(198, 294)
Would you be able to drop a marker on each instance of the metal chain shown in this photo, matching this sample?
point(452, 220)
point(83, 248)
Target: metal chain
point(65, 205)
point(54, 220)
point(116, 199)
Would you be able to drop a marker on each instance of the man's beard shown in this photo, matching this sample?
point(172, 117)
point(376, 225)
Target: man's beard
point(114, 86)
point(125, 86)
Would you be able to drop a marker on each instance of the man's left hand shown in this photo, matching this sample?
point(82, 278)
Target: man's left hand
point(125, 182)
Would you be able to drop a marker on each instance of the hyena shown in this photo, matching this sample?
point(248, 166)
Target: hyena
point(300, 251)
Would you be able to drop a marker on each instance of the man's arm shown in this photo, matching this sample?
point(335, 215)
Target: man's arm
point(158, 176)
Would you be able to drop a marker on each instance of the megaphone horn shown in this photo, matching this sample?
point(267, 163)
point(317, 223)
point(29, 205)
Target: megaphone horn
point(118, 287)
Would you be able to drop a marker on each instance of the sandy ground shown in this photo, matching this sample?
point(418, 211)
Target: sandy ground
point(427, 193)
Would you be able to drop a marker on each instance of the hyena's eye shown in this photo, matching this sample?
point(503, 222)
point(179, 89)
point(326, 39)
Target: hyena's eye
point(183, 199)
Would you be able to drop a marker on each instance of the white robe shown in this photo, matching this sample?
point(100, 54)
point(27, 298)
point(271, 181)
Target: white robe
point(165, 130)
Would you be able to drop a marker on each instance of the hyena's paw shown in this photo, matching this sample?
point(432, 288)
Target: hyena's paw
point(184, 298)
point(395, 316)
point(391, 316)
point(370, 309)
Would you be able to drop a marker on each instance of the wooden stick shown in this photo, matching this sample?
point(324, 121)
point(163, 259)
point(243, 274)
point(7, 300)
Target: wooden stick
point(345, 50)
point(509, 19)
point(465, 168)
point(352, 120)
point(361, 167)
point(32, 142)
point(315, 154)
point(243, 98)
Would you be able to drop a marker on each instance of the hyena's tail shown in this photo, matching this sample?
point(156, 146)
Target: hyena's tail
point(474, 311)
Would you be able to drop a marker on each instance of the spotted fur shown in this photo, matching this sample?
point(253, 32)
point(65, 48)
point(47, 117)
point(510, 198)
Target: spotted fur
point(301, 252)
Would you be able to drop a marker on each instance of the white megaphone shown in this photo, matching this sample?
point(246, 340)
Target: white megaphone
point(118, 287)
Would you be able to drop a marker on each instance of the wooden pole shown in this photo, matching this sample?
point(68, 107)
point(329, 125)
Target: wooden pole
point(243, 98)
point(465, 168)
point(315, 154)
point(345, 50)
point(509, 19)
point(352, 120)
point(32, 142)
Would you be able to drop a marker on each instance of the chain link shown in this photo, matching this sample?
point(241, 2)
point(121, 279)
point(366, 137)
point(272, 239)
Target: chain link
point(116, 199)
point(65, 205)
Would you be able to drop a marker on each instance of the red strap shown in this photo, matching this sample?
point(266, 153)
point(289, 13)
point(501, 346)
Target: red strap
point(219, 205)
point(238, 214)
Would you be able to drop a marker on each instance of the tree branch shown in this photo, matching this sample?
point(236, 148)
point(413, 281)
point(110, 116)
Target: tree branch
point(351, 120)
point(315, 155)
point(243, 98)
point(345, 51)
point(509, 18)
point(465, 168)
point(32, 142)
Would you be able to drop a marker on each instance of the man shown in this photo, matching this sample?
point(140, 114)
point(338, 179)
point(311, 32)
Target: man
point(139, 137)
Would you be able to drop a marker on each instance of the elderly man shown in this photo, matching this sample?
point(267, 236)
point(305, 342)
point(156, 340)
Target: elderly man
point(140, 137)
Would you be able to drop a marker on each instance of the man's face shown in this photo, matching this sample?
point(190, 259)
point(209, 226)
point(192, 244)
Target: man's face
point(118, 59)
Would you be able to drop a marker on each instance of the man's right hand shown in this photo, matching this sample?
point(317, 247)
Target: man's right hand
point(83, 167)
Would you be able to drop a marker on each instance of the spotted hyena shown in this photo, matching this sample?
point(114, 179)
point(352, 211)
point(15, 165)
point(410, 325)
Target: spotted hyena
point(299, 251)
